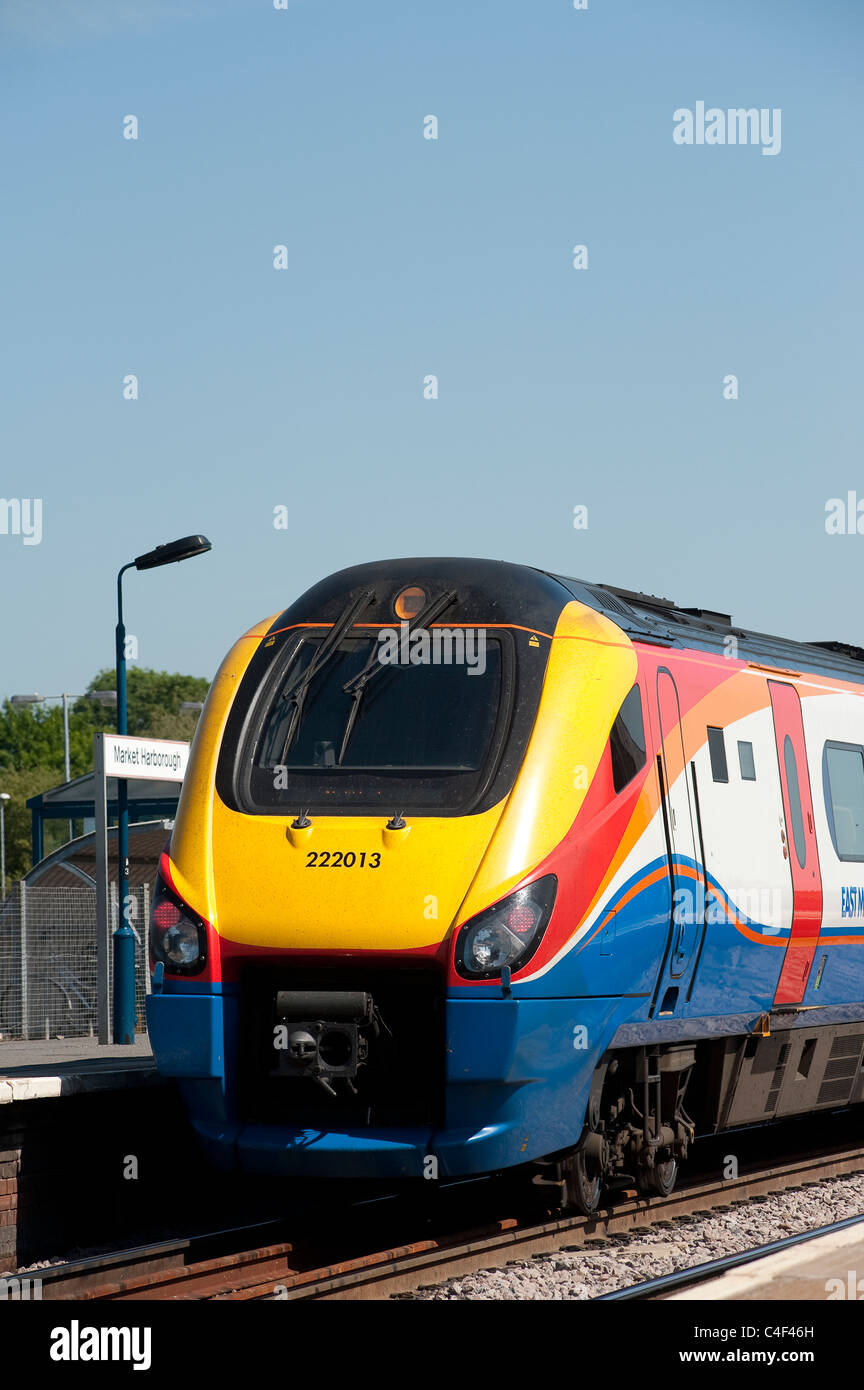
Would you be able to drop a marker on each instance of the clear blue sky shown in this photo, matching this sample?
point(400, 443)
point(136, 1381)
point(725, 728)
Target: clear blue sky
point(408, 257)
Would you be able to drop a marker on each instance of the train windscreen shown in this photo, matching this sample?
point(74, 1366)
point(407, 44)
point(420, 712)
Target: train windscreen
point(358, 725)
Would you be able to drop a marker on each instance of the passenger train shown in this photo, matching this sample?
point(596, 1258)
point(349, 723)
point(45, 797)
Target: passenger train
point(476, 866)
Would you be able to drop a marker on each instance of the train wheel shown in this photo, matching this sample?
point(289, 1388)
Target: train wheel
point(660, 1180)
point(582, 1189)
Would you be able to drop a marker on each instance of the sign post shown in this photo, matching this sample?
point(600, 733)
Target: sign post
point(100, 812)
point(116, 755)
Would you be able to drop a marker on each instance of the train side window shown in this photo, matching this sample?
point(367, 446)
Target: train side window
point(795, 801)
point(627, 741)
point(843, 784)
point(746, 761)
point(717, 750)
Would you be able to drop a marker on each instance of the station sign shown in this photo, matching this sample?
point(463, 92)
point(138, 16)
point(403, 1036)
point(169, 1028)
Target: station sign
point(118, 755)
point(159, 758)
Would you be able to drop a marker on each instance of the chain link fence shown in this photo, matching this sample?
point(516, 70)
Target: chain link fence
point(48, 976)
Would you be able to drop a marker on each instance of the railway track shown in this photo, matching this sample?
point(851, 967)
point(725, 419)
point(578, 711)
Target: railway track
point(698, 1274)
point(357, 1265)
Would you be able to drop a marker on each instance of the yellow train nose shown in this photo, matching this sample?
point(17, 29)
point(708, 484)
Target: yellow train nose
point(343, 882)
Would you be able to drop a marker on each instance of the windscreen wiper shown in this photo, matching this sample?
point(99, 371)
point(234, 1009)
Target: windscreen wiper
point(296, 693)
point(356, 687)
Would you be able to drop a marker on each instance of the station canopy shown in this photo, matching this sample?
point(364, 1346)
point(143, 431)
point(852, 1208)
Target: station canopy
point(148, 799)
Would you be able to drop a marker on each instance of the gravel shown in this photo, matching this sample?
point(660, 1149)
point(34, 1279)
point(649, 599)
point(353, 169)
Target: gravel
point(615, 1263)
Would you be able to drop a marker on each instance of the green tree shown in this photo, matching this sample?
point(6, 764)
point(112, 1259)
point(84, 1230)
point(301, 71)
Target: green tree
point(20, 785)
point(31, 736)
point(31, 744)
point(153, 701)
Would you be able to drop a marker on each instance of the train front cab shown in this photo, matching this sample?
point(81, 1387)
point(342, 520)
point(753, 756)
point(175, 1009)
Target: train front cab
point(508, 1075)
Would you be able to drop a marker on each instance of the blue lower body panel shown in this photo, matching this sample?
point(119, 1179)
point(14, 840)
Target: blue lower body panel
point(518, 1073)
point(187, 1034)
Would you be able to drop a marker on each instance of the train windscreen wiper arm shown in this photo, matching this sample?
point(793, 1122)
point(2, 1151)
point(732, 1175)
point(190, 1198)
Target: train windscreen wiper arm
point(356, 687)
point(296, 693)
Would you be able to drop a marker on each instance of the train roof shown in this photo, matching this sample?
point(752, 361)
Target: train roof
point(649, 618)
point(501, 591)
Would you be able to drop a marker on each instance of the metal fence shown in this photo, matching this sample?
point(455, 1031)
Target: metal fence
point(48, 976)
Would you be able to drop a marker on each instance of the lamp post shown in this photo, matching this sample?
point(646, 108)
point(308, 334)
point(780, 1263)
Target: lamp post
point(124, 936)
point(4, 797)
point(105, 697)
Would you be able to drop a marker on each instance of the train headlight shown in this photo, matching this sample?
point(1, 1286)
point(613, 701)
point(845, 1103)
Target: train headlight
point(506, 934)
point(178, 936)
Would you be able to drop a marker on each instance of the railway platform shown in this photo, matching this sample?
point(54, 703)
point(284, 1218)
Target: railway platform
point(84, 1133)
point(70, 1066)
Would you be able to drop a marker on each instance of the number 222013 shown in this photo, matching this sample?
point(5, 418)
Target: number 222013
point(339, 859)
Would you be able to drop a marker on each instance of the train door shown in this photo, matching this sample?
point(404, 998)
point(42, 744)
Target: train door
point(800, 843)
point(688, 889)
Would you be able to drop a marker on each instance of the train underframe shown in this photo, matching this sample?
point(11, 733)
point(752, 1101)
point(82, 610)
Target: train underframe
point(639, 1126)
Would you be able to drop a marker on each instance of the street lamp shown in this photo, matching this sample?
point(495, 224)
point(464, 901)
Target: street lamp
point(124, 937)
point(4, 797)
point(187, 706)
point(104, 697)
